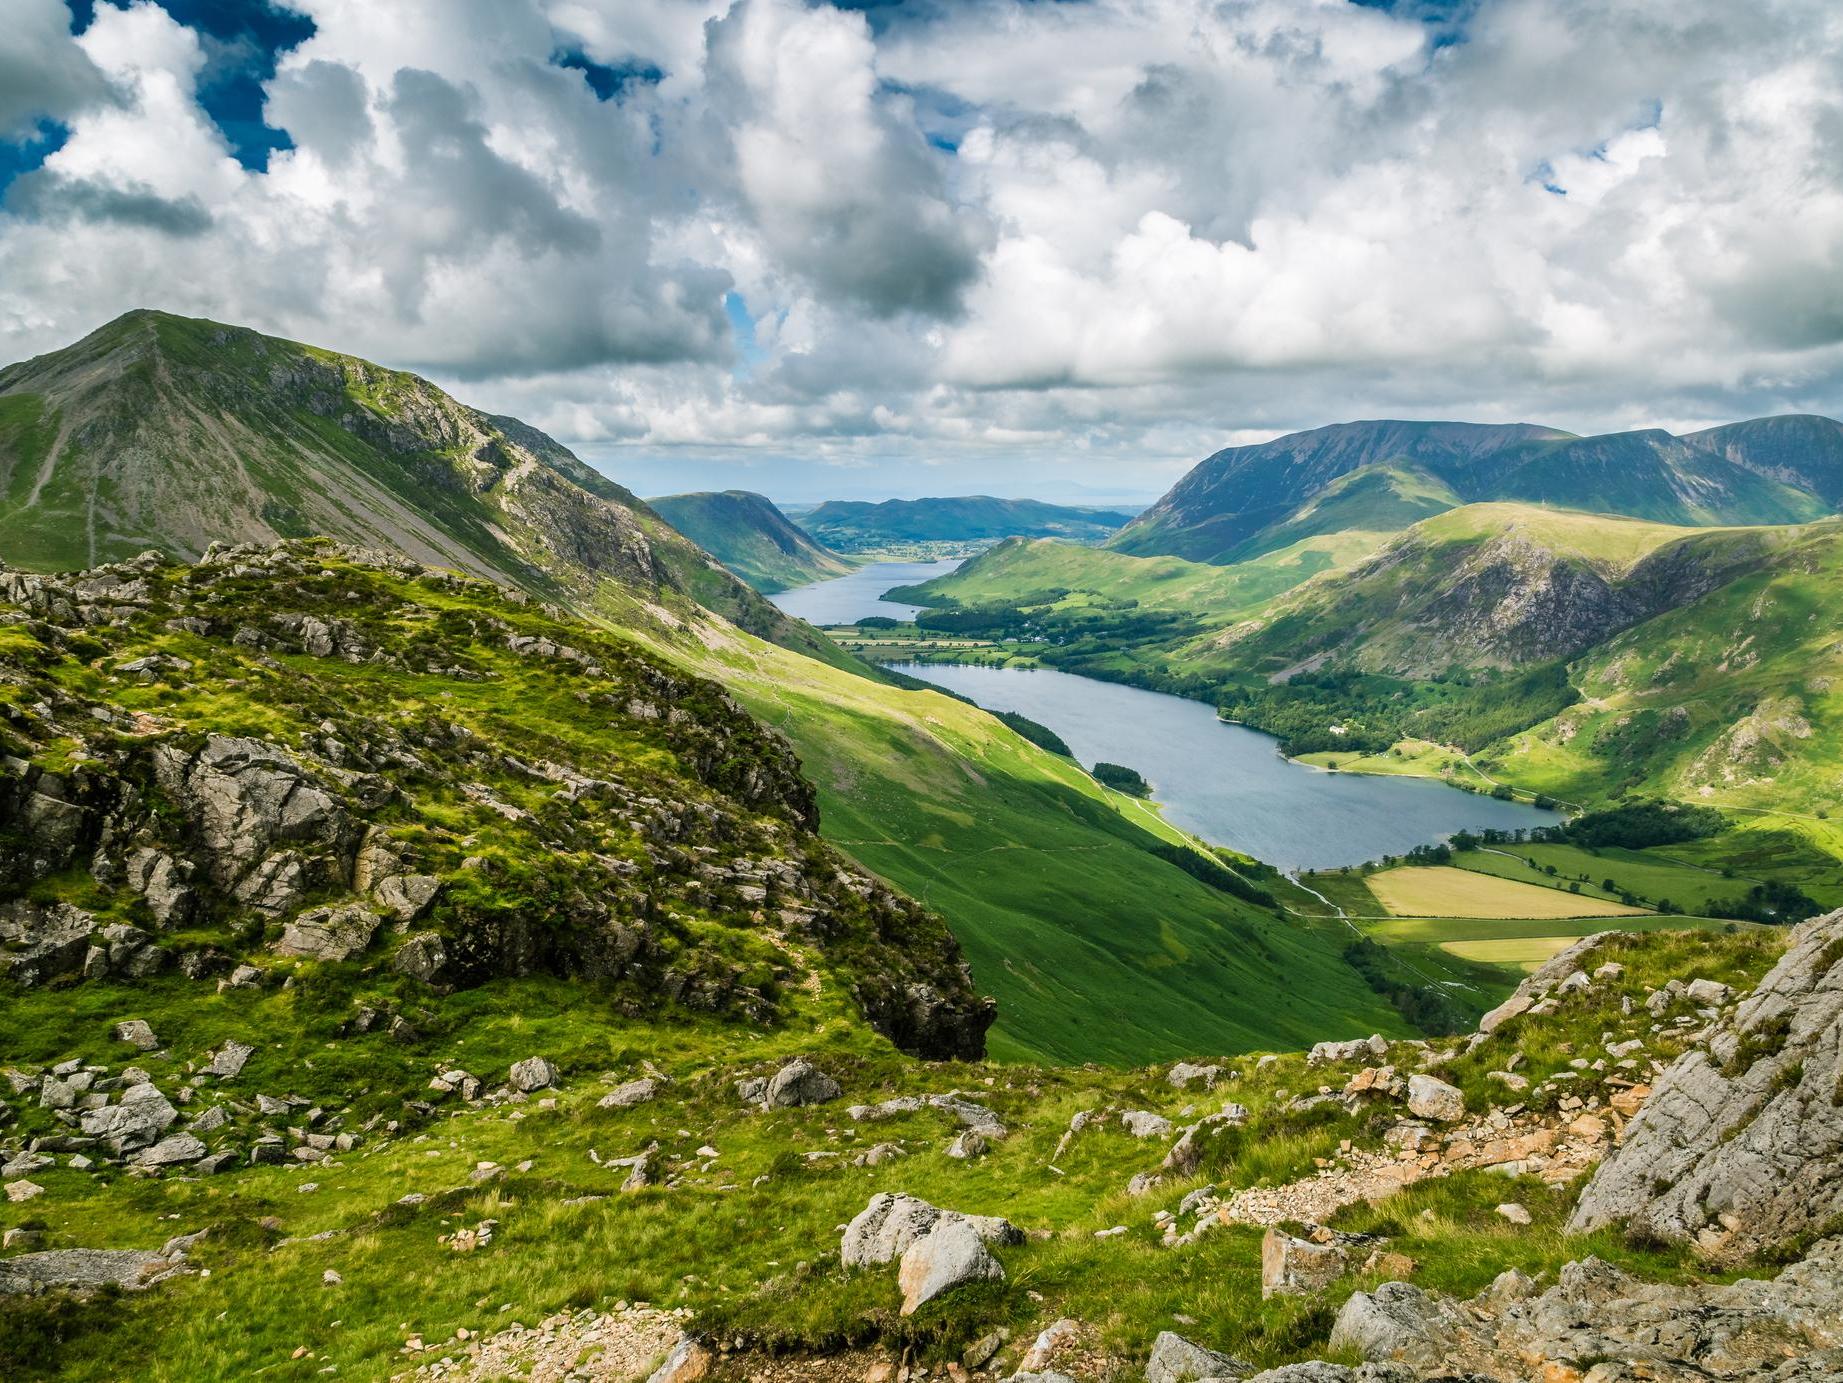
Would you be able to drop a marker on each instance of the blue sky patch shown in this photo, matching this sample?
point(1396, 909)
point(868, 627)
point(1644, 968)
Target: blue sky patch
point(609, 81)
point(29, 154)
point(242, 41)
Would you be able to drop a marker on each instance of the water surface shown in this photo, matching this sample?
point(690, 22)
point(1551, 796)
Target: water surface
point(846, 598)
point(1229, 784)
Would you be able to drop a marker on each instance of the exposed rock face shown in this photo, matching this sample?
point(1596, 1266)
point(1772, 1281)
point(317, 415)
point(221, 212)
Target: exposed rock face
point(1740, 1147)
point(1296, 1267)
point(129, 1269)
point(1744, 1330)
point(304, 839)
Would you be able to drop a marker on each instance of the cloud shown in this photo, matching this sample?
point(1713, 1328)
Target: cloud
point(44, 75)
point(1071, 239)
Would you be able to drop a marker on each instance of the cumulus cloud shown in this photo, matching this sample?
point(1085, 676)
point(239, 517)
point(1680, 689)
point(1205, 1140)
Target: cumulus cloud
point(1074, 239)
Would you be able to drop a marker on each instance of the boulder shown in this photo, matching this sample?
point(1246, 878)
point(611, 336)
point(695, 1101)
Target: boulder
point(1298, 1267)
point(42, 940)
point(799, 1083)
point(950, 1255)
point(1176, 1360)
point(227, 1062)
point(1429, 1098)
point(1184, 1074)
point(136, 1033)
point(1709, 993)
point(1739, 1147)
point(634, 1092)
point(686, 1362)
point(331, 933)
point(968, 1144)
point(128, 1269)
point(1142, 1123)
point(141, 1117)
point(171, 1150)
point(884, 1229)
point(533, 1073)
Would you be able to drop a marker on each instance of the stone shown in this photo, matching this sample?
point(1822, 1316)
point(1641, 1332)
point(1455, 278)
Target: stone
point(1184, 1074)
point(129, 1269)
point(1739, 1146)
point(227, 1062)
point(18, 1191)
point(136, 1033)
point(533, 1073)
point(1396, 1323)
point(1513, 1212)
point(686, 1362)
point(949, 1255)
point(1176, 1360)
point(171, 1150)
point(141, 1117)
point(968, 1144)
point(1143, 1123)
point(1709, 993)
point(1429, 1098)
point(1314, 1371)
point(330, 933)
point(406, 897)
point(41, 941)
point(634, 1092)
point(799, 1083)
point(1057, 1338)
point(883, 1231)
point(422, 957)
point(1298, 1267)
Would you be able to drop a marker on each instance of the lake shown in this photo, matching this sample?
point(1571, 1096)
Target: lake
point(1227, 783)
point(847, 598)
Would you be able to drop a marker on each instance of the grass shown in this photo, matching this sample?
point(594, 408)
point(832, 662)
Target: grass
point(1526, 953)
point(1096, 949)
point(748, 1239)
point(1650, 874)
point(1443, 891)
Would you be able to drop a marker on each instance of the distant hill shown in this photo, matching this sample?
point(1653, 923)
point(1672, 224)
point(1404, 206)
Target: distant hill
point(856, 525)
point(746, 533)
point(1247, 500)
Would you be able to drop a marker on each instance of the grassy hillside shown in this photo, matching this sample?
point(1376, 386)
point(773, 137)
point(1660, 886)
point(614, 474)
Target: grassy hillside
point(858, 526)
point(1095, 948)
point(751, 537)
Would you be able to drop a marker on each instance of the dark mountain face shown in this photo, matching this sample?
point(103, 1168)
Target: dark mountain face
point(1235, 494)
point(171, 433)
point(1771, 470)
point(1800, 449)
point(751, 537)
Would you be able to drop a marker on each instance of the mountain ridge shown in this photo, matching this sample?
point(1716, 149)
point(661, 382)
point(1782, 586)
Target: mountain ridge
point(751, 536)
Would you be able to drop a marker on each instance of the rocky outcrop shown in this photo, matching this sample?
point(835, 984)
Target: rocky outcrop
point(1750, 1329)
point(1176, 1360)
point(1740, 1147)
point(85, 1269)
point(884, 1229)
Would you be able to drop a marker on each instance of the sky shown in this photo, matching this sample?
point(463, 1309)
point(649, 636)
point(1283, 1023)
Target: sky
point(914, 247)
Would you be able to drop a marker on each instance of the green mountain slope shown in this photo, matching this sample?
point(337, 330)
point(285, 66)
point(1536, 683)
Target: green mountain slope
point(854, 525)
point(751, 537)
point(1245, 499)
point(171, 433)
point(1050, 883)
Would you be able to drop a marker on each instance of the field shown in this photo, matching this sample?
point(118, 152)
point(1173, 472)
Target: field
point(1648, 875)
point(1440, 891)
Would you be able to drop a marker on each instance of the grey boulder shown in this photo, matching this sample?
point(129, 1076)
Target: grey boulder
point(1176, 1360)
point(950, 1255)
point(799, 1083)
point(533, 1073)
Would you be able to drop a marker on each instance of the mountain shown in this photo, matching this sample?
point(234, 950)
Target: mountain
point(172, 433)
point(857, 525)
point(1246, 500)
point(1097, 945)
point(746, 533)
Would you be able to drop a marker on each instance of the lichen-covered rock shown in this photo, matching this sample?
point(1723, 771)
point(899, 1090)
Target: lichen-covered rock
point(884, 1229)
point(329, 933)
point(127, 1269)
point(799, 1082)
point(1176, 1360)
point(1430, 1098)
point(533, 1073)
point(1740, 1146)
point(950, 1255)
